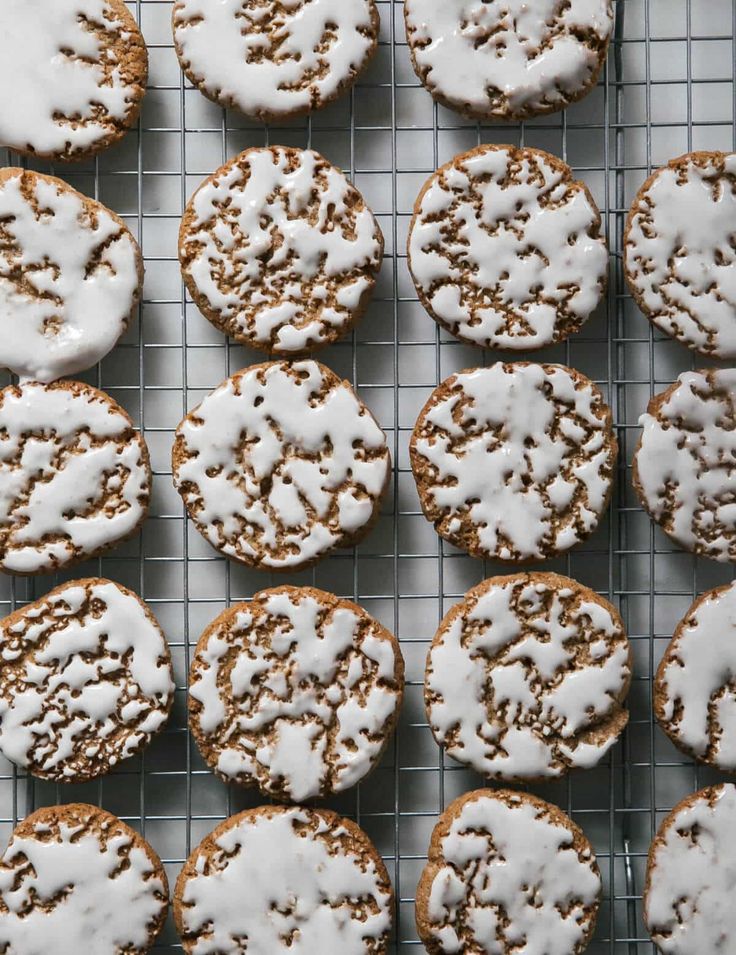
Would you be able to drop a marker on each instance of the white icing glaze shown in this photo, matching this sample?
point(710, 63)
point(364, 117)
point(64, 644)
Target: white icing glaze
point(68, 279)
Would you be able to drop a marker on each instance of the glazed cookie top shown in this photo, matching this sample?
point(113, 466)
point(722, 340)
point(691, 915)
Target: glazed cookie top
point(298, 881)
point(75, 878)
point(514, 461)
point(508, 59)
point(296, 691)
point(525, 677)
point(281, 464)
point(279, 250)
point(274, 58)
point(505, 248)
point(70, 276)
point(85, 680)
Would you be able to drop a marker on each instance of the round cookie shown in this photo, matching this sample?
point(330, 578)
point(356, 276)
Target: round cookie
point(680, 251)
point(527, 676)
point(292, 880)
point(279, 251)
point(685, 462)
point(70, 277)
point(77, 70)
point(74, 475)
point(86, 680)
point(515, 461)
point(281, 464)
point(273, 61)
point(508, 59)
point(75, 878)
point(296, 692)
point(505, 248)
point(507, 872)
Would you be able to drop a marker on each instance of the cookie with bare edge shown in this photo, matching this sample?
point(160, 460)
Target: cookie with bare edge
point(281, 464)
point(274, 61)
point(685, 462)
point(505, 248)
point(75, 878)
point(508, 60)
point(505, 871)
point(680, 251)
point(77, 70)
point(70, 277)
point(75, 477)
point(514, 462)
point(277, 879)
point(527, 677)
point(279, 251)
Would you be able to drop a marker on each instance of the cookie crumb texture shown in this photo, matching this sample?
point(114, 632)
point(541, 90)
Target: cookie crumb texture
point(77, 70)
point(680, 251)
point(505, 248)
point(526, 678)
point(507, 871)
point(279, 251)
point(296, 692)
point(508, 59)
point(284, 880)
point(685, 462)
point(85, 681)
point(515, 461)
point(281, 464)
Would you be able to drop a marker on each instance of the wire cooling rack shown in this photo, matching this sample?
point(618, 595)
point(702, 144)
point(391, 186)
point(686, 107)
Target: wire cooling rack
point(667, 88)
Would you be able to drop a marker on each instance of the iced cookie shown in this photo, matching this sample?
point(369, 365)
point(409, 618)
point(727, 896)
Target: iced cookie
point(527, 676)
point(507, 872)
point(291, 880)
point(281, 464)
point(505, 248)
point(74, 72)
point(272, 60)
point(74, 475)
point(279, 251)
point(70, 277)
point(515, 461)
point(508, 59)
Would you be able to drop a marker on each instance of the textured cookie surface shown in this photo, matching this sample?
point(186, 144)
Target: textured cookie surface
point(85, 680)
point(281, 464)
point(507, 872)
point(77, 70)
point(279, 251)
point(274, 880)
point(505, 248)
point(296, 692)
point(74, 475)
point(526, 677)
point(514, 461)
point(685, 462)
point(70, 277)
point(508, 59)
point(680, 251)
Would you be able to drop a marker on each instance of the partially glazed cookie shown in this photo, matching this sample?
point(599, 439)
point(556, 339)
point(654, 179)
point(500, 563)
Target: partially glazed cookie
point(515, 461)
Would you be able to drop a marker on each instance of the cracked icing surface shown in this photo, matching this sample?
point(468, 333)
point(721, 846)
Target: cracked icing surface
point(85, 680)
point(281, 464)
point(526, 677)
point(508, 59)
point(505, 248)
point(514, 461)
point(292, 880)
point(507, 873)
point(296, 691)
point(680, 251)
point(70, 276)
point(279, 251)
point(75, 878)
